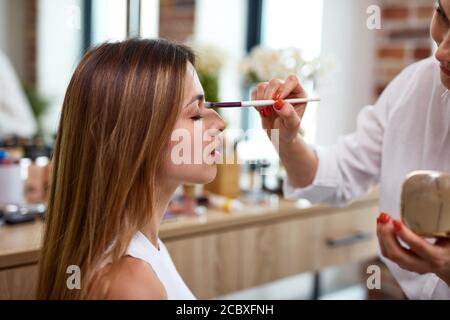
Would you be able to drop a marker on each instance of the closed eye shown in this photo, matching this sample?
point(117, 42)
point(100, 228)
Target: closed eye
point(197, 117)
point(441, 12)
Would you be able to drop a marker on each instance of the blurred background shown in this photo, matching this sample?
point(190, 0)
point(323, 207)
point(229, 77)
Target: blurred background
point(328, 43)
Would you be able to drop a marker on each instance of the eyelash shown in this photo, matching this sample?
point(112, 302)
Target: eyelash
point(441, 14)
point(197, 117)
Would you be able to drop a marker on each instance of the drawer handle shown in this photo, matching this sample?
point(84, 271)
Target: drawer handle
point(349, 240)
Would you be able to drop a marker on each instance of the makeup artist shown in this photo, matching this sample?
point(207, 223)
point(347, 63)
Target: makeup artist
point(407, 129)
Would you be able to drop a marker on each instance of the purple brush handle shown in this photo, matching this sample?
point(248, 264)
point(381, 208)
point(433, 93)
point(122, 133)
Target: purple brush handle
point(226, 104)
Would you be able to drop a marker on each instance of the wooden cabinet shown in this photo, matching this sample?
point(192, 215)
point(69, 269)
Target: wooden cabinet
point(18, 283)
point(220, 263)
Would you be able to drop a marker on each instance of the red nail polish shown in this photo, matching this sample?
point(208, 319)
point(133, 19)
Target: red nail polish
point(279, 104)
point(397, 225)
point(269, 111)
point(384, 218)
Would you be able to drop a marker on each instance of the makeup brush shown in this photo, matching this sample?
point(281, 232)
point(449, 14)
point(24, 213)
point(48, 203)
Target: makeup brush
point(255, 103)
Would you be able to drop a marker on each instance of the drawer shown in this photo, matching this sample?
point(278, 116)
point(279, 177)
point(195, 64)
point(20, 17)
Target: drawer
point(347, 236)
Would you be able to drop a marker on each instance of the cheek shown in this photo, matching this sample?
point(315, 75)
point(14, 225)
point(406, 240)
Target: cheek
point(180, 164)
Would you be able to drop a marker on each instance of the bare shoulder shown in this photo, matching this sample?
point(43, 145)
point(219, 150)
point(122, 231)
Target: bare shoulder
point(129, 279)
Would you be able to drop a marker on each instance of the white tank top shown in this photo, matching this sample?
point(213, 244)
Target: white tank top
point(161, 263)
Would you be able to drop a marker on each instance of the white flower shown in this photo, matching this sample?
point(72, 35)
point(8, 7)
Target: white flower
point(263, 64)
point(210, 59)
point(319, 67)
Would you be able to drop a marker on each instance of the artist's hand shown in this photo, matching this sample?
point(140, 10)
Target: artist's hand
point(281, 115)
point(421, 257)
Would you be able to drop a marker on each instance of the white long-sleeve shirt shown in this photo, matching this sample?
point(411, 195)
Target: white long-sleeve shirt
point(16, 117)
point(407, 129)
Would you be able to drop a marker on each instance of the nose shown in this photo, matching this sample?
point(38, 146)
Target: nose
point(217, 121)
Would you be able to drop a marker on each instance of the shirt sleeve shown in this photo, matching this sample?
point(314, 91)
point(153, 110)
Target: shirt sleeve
point(350, 167)
point(418, 286)
point(15, 112)
point(441, 291)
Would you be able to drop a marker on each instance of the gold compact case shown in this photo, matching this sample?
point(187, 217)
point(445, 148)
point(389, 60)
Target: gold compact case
point(426, 203)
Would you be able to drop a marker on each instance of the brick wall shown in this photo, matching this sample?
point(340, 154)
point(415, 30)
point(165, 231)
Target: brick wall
point(176, 19)
point(30, 42)
point(403, 39)
point(18, 36)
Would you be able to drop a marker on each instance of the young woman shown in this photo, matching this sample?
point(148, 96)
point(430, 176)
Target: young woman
point(407, 129)
point(115, 171)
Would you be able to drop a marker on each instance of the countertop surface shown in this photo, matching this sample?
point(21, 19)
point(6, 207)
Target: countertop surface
point(20, 244)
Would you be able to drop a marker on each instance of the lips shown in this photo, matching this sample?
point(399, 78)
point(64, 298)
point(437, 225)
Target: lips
point(215, 151)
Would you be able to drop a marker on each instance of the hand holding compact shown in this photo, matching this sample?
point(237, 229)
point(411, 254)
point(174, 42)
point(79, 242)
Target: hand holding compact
point(421, 257)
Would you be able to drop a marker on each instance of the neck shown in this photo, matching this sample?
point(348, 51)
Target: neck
point(151, 229)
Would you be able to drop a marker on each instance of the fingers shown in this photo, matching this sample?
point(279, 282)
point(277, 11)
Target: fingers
point(393, 250)
point(265, 112)
point(271, 91)
point(277, 89)
point(417, 244)
point(254, 96)
point(292, 88)
point(380, 240)
point(382, 219)
point(260, 89)
point(287, 114)
point(257, 94)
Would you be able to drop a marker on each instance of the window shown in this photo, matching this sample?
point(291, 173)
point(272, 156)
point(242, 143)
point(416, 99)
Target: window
point(110, 18)
point(289, 23)
point(295, 23)
point(109, 21)
point(149, 18)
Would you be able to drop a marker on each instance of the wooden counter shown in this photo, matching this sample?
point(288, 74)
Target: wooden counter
point(220, 253)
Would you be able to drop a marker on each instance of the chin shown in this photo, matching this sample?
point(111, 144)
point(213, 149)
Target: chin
point(209, 174)
point(203, 175)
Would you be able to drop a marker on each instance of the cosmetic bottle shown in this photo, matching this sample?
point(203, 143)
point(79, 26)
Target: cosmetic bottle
point(224, 203)
point(38, 174)
point(11, 183)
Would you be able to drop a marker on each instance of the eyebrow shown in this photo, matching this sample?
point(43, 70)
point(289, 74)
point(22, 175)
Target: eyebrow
point(199, 97)
point(441, 8)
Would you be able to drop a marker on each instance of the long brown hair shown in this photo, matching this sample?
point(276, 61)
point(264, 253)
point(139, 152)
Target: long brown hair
point(119, 110)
